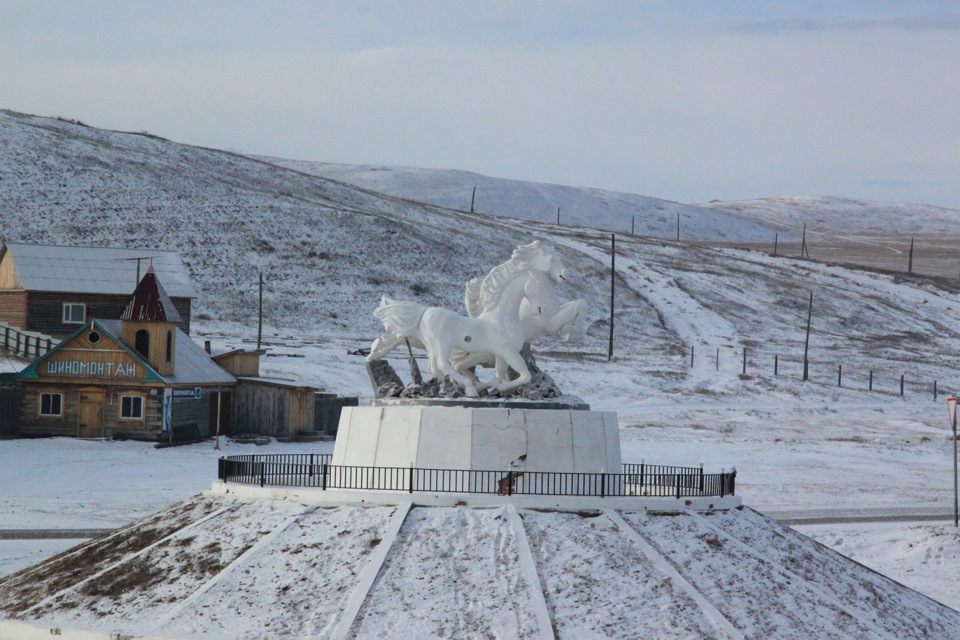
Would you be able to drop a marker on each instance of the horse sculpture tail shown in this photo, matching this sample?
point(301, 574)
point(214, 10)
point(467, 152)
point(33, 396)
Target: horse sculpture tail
point(471, 298)
point(401, 318)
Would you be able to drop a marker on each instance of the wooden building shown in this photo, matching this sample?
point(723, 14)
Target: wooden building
point(141, 376)
point(55, 290)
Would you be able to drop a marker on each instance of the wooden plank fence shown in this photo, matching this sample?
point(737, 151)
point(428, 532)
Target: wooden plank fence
point(25, 344)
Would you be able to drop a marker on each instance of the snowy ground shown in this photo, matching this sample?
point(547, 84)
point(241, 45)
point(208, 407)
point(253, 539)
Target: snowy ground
point(834, 458)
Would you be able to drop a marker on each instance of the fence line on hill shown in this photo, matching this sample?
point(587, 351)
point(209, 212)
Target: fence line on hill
point(767, 364)
point(25, 344)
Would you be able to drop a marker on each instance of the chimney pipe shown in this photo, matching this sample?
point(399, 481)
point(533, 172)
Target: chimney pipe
point(206, 346)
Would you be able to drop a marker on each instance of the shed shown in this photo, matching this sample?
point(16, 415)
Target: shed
point(56, 289)
point(273, 407)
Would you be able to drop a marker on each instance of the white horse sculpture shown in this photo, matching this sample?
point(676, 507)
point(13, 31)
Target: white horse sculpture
point(496, 330)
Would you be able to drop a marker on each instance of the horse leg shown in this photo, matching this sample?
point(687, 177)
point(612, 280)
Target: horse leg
point(383, 346)
point(515, 361)
point(563, 320)
point(456, 376)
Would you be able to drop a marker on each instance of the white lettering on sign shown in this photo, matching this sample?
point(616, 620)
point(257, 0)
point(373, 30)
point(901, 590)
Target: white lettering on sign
point(92, 369)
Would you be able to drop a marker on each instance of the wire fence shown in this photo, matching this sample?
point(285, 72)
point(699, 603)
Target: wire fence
point(316, 470)
point(883, 379)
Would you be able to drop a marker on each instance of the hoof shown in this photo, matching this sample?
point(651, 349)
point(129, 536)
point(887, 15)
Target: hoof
point(471, 392)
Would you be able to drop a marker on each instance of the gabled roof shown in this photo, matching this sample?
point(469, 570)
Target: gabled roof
point(149, 302)
point(151, 376)
point(104, 270)
point(194, 365)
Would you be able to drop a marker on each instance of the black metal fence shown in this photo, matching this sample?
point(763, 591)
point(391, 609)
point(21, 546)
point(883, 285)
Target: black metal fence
point(316, 470)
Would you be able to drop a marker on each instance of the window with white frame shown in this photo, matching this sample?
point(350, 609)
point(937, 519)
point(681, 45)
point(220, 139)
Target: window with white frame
point(74, 313)
point(51, 404)
point(131, 407)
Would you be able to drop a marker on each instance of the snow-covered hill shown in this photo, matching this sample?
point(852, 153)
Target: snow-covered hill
point(741, 221)
point(220, 568)
point(536, 201)
point(329, 250)
point(846, 214)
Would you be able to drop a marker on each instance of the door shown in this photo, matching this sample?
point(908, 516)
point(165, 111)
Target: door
point(224, 398)
point(90, 414)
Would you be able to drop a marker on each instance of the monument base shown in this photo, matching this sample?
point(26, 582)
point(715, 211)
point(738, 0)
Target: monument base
point(438, 437)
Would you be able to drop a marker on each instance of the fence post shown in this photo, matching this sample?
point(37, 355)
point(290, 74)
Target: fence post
point(324, 476)
point(411, 478)
point(871, 379)
point(691, 356)
point(509, 483)
point(678, 485)
point(934, 389)
point(718, 358)
point(263, 473)
point(839, 375)
point(701, 478)
point(744, 361)
point(723, 482)
point(901, 385)
point(603, 485)
point(311, 465)
point(776, 364)
point(641, 474)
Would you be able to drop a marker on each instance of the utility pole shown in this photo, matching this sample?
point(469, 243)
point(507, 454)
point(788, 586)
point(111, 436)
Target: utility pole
point(633, 225)
point(613, 271)
point(776, 237)
point(806, 344)
point(472, 198)
point(260, 314)
point(910, 260)
point(678, 226)
point(558, 215)
point(804, 253)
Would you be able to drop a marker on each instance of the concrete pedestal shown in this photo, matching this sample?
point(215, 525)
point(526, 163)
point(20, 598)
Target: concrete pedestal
point(431, 437)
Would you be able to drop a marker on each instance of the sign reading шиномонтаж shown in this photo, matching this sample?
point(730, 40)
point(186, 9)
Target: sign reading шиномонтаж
point(94, 369)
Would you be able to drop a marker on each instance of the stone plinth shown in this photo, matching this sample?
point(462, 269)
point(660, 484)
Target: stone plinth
point(441, 437)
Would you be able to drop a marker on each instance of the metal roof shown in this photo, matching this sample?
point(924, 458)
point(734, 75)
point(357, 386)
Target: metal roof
point(150, 302)
point(277, 382)
point(105, 270)
point(193, 365)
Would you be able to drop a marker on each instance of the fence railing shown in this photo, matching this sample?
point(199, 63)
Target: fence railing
point(316, 470)
point(25, 344)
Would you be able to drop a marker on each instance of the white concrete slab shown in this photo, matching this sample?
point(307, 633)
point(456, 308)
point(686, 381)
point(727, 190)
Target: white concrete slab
point(399, 439)
point(499, 438)
point(590, 443)
point(445, 438)
point(549, 441)
point(363, 434)
point(342, 444)
point(611, 425)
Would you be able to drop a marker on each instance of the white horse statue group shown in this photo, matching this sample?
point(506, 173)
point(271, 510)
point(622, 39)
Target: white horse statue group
point(514, 304)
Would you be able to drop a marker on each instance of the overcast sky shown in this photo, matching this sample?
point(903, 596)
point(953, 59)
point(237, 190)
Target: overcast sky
point(688, 101)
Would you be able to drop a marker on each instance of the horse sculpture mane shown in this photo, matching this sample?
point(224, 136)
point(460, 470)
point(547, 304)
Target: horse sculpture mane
point(483, 294)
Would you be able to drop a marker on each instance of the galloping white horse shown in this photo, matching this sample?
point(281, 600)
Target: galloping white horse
point(495, 330)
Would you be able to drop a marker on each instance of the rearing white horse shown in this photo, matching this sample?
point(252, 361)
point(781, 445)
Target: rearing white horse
point(496, 330)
